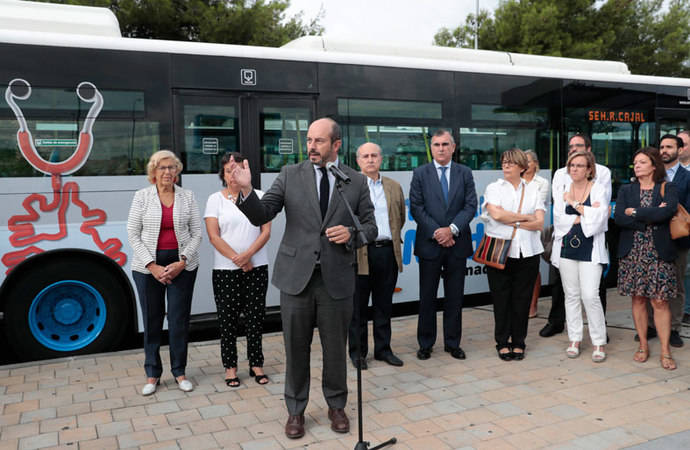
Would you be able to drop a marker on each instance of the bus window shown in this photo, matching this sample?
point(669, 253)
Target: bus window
point(496, 129)
point(123, 139)
point(401, 128)
point(209, 132)
point(283, 136)
point(611, 144)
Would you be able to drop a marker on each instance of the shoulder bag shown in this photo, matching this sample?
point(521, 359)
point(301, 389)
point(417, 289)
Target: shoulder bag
point(680, 222)
point(493, 251)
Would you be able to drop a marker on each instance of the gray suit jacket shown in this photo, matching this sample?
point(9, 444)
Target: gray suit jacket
point(304, 239)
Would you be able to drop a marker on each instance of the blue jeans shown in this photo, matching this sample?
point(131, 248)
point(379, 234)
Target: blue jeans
point(152, 295)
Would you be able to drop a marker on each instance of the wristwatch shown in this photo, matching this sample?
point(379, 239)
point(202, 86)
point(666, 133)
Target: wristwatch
point(183, 258)
point(517, 224)
point(633, 213)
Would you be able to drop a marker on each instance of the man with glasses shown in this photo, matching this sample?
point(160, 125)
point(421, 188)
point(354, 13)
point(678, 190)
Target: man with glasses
point(561, 183)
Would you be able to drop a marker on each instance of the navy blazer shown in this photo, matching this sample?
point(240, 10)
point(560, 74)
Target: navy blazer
point(659, 218)
point(682, 181)
point(430, 212)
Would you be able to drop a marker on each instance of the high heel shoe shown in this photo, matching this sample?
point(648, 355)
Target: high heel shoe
point(150, 388)
point(507, 356)
point(259, 378)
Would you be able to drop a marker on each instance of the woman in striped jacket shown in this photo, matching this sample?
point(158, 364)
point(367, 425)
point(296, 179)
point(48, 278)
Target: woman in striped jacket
point(164, 230)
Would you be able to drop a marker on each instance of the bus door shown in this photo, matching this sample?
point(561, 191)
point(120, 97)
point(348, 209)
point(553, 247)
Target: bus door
point(270, 130)
point(672, 121)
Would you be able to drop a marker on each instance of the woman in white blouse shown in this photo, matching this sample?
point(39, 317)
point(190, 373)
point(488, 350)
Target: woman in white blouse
point(511, 288)
point(164, 231)
point(580, 220)
point(240, 273)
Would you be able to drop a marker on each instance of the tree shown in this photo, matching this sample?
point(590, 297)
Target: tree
point(637, 32)
point(249, 22)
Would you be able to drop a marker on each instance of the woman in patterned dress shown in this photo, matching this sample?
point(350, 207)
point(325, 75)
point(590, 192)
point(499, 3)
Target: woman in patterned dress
point(240, 273)
point(646, 268)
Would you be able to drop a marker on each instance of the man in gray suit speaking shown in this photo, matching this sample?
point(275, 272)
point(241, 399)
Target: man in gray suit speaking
point(314, 268)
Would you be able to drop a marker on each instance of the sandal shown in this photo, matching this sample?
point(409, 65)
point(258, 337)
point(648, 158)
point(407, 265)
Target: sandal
point(667, 362)
point(232, 382)
point(599, 355)
point(641, 355)
point(260, 379)
point(573, 350)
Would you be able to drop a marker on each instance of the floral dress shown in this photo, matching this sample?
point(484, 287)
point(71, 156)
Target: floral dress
point(642, 272)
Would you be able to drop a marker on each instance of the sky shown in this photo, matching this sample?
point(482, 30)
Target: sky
point(406, 22)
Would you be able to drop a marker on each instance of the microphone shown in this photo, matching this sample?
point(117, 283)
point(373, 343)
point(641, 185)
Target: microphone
point(339, 174)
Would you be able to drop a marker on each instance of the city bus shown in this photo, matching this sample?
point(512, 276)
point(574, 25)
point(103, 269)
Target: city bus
point(83, 109)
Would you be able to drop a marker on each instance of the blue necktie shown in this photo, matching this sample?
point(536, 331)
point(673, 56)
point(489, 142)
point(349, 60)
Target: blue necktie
point(444, 184)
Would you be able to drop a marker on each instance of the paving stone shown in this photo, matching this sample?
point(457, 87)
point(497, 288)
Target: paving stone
point(38, 441)
point(78, 434)
point(104, 443)
point(136, 439)
point(114, 428)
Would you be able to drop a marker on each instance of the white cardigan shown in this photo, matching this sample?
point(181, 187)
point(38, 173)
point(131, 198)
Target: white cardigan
point(594, 222)
point(144, 225)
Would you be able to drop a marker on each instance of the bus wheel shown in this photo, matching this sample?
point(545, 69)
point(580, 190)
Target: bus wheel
point(66, 307)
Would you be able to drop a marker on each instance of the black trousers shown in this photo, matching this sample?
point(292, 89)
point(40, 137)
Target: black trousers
point(380, 284)
point(511, 291)
point(557, 313)
point(152, 299)
point(430, 271)
point(300, 313)
point(235, 292)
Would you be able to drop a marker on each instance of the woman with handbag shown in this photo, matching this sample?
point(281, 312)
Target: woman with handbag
point(513, 211)
point(646, 269)
point(580, 219)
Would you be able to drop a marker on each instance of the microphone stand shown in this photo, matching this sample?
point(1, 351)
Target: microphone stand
point(361, 238)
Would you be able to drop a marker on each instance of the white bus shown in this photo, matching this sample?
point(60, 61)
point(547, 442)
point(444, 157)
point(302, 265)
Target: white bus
point(83, 109)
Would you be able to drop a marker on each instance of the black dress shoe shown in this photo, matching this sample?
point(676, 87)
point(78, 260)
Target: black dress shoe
point(390, 358)
point(550, 329)
point(675, 339)
point(507, 356)
point(294, 428)
point(424, 353)
point(651, 334)
point(456, 353)
point(355, 362)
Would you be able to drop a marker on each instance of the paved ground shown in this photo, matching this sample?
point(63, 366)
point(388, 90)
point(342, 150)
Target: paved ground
point(547, 400)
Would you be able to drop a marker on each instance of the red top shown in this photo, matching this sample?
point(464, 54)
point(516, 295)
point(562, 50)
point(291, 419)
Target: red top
point(166, 238)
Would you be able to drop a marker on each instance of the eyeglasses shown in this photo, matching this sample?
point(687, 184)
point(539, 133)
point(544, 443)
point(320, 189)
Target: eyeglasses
point(577, 166)
point(166, 168)
point(508, 164)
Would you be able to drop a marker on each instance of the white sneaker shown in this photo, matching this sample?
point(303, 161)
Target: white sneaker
point(150, 388)
point(185, 385)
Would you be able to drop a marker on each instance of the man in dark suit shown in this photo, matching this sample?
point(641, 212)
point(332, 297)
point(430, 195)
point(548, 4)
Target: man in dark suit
point(443, 201)
point(669, 148)
point(314, 268)
point(377, 263)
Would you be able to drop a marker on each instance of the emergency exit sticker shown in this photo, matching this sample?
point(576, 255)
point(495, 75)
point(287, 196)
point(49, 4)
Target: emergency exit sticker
point(285, 146)
point(209, 146)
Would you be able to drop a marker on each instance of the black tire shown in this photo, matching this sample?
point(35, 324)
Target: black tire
point(56, 274)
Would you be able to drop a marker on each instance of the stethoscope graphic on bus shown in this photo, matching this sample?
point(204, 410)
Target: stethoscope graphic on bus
point(21, 225)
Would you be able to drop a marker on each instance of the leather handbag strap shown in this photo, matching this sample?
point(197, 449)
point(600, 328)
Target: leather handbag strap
point(522, 197)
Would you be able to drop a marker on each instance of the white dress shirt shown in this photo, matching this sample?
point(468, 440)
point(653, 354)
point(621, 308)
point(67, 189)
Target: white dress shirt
point(378, 198)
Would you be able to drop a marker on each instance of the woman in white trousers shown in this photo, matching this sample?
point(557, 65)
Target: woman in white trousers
point(579, 252)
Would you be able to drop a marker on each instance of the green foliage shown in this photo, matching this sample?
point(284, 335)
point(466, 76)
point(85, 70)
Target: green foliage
point(638, 32)
point(248, 22)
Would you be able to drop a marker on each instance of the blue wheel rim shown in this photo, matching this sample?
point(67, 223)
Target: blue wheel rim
point(67, 315)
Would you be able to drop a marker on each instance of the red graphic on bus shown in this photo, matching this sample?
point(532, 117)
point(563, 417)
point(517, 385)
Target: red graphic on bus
point(21, 225)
